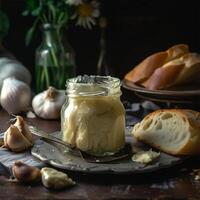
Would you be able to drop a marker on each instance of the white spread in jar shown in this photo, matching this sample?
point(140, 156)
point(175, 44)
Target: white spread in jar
point(94, 123)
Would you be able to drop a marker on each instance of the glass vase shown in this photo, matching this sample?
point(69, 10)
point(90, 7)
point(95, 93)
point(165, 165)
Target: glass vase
point(54, 60)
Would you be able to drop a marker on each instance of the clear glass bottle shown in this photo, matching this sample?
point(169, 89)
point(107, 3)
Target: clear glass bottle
point(54, 60)
point(93, 117)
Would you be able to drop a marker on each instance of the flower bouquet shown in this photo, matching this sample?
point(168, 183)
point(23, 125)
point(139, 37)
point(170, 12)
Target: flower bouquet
point(54, 61)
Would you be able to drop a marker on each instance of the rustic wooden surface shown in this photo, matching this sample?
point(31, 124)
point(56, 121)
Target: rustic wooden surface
point(174, 183)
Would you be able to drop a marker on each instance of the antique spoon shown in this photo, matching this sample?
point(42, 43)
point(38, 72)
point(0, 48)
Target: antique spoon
point(87, 157)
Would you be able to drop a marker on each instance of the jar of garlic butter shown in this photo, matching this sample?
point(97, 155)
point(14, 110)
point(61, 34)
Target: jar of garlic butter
point(93, 117)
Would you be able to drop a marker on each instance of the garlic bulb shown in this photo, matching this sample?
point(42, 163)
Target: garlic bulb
point(25, 173)
point(18, 138)
point(47, 104)
point(12, 68)
point(15, 96)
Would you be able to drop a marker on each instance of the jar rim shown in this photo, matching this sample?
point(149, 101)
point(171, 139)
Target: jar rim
point(93, 79)
point(102, 85)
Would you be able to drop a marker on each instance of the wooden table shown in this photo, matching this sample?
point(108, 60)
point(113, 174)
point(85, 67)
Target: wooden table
point(174, 183)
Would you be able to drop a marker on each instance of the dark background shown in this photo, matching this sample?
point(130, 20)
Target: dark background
point(136, 29)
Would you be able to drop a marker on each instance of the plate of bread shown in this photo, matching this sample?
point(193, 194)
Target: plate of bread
point(173, 74)
point(162, 139)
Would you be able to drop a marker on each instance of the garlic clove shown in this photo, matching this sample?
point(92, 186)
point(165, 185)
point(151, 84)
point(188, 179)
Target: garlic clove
point(22, 126)
point(15, 96)
point(15, 140)
point(25, 173)
point(48, 103)
point(54, 179)
point(18, 137)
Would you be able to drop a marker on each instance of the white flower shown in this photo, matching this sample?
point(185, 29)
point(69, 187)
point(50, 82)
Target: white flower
point(86, 14)
point(74, 2)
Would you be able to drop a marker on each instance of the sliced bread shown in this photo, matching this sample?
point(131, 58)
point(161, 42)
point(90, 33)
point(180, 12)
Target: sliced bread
point(147, 67)
point(174, 131)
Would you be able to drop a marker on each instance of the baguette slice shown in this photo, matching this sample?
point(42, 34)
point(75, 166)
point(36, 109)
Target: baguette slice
point(164, 77)
point(146, 68)
point(142, 71)
point(178, 71)
point(174, 131)
point(191, 70)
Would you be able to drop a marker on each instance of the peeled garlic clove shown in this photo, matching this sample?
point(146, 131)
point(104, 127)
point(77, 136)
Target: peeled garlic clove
point(15, 96)
point(25, 173)
point(47, 104)
point(15, 140)
point(54, 179)
point(23, 128)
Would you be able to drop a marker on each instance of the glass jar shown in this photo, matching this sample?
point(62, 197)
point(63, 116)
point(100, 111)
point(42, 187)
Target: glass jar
point(54, 60)
point(93, 117)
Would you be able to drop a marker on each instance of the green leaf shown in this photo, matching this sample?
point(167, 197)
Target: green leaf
point(31, 31)
point(31, 5)
point(37, 11)
point(29, 35)
point(4, 24)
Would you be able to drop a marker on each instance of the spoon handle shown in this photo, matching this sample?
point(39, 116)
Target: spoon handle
point(34, 130)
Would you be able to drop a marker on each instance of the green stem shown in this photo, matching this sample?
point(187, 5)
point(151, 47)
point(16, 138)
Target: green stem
point(45, 20)
point(54, 57)
point(60, 18)
point(49, 15)
point(53, 13)
point(47, 76)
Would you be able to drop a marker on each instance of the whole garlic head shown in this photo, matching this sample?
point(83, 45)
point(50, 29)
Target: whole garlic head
point(18, 138)
point(48, 103)
point(15, 96)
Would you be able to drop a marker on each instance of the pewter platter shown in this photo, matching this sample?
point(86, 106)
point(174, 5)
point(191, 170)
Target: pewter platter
point(56, 155)
point(178, 94)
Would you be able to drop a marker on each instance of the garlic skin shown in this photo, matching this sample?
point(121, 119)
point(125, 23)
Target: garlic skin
point(18, 138)
point(10, 67)
point(54, 179)
point(25, 173)
point(15, 141)
point(23, 128)
point(15, 96)
point(48, 103)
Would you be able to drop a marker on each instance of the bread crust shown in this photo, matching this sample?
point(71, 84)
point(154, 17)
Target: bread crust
point(177, 50)
point(191, 119)
point(163, 77)
point(147, 67)
point(142, 71)
point(179, 71)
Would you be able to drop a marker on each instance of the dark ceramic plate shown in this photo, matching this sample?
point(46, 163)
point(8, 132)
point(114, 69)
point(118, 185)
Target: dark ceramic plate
point(180, 94)
point(57, 156)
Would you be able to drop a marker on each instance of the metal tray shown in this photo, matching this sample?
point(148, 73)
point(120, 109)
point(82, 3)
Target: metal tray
point(56, 155)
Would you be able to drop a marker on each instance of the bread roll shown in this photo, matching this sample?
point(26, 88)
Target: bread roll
point(178, 71)
point(174, 131)
point(146, 68)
